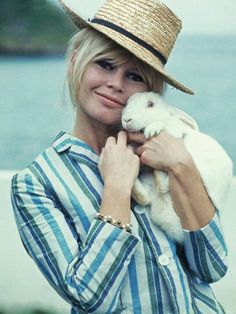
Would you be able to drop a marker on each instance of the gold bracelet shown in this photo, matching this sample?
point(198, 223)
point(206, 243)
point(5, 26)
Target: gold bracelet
point(114, 222)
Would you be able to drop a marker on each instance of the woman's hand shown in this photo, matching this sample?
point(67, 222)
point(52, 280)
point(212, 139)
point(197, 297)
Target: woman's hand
point(118, 164)
point(162, 152)
point(167, 153)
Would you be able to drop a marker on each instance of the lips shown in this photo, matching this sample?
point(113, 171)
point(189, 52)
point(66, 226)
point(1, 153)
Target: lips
point(109, 99)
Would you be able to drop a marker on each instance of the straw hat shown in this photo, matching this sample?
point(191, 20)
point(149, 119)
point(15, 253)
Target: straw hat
point(147, 28)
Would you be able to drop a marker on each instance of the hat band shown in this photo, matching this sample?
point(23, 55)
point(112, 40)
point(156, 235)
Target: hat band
point(132, 37)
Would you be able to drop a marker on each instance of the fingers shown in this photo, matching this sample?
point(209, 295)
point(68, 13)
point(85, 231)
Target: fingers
point(136, 137)
point(139, 150)
point(110, 142)
point(122, 138)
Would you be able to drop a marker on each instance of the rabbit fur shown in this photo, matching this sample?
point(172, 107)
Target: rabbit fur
point(149, 113)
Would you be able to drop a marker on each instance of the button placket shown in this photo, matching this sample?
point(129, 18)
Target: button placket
point(139, 209)
point(164, 260)
point(163, 269)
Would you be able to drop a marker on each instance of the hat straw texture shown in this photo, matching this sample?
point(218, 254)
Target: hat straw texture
point(148, 20)
point(147, 28)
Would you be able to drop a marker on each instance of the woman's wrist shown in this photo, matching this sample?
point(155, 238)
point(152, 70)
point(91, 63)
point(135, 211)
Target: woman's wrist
point(190, 198)
point(118, 187)
point(117, 223)
point(182, 166)
point(116, 202)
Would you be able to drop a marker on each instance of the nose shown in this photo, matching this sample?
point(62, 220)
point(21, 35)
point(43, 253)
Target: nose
point(116, 82)
point(127, 120)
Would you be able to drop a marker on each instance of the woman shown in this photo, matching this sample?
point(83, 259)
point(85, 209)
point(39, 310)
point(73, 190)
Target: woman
point(73, 205)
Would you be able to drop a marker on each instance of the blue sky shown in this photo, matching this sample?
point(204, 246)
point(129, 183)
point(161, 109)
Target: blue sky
point(198, 16)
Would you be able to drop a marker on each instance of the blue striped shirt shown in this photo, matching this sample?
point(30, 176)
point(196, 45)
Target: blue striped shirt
point(97, 267)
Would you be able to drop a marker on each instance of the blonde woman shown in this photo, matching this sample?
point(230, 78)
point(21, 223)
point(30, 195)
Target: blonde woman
point(97, 248)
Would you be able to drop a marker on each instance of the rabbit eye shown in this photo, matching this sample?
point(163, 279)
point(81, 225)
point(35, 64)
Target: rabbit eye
point(150, 104)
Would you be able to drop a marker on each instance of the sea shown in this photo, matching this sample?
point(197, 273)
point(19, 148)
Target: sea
point(34, 103)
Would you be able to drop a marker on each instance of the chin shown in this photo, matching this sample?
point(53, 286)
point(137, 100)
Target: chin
point(111, 120)
point(112, 123)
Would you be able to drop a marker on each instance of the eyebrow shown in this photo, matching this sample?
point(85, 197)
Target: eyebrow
point(135, 69)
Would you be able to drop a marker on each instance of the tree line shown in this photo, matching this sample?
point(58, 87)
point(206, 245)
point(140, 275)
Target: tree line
point(33, 27)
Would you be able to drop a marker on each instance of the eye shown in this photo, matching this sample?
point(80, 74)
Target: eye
point(150, 104)
point(135, 77)
point(105, 64)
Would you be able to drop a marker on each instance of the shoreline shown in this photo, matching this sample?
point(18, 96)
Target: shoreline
point(32, 53)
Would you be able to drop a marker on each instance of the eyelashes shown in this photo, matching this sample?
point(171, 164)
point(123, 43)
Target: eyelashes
point(135, 77)
point(109, 65)
point(105, 64)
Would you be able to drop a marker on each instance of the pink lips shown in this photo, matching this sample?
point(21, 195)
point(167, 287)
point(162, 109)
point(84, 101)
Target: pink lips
point(108, 100)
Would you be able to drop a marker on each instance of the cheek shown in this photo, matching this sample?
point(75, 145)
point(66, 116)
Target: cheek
point(90, 79)
point(84, 91)
point(138, 89)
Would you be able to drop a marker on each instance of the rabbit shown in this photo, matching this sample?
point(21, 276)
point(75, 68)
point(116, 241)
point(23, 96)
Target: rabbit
point(149, 113)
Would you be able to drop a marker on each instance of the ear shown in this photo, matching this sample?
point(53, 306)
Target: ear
point(184, 117)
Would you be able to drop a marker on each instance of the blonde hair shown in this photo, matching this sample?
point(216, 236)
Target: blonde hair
point(88, 46)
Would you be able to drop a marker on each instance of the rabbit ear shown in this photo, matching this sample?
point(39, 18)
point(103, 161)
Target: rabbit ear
point(184, 117)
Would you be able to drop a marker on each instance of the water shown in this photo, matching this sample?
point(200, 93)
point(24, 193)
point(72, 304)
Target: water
point(32, 113)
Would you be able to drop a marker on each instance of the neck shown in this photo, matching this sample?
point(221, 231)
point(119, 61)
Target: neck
point(92, 132)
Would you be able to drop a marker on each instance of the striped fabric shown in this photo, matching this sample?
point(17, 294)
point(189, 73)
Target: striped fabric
point(97, 267)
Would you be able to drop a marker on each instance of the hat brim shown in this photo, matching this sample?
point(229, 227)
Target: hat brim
point(127, 43)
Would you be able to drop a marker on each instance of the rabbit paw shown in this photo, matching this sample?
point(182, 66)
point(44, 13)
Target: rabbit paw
point(140, 194)
point(162, 181)
point(142, 199)
point(153, 129)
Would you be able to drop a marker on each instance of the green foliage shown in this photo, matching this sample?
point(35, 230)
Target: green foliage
point(26, 311)
point(33, 26)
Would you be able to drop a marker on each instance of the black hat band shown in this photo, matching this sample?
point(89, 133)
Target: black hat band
point(139, 41)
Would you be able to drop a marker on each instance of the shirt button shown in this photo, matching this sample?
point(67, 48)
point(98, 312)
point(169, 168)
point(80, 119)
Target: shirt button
point(163, 260)
point(139, 209)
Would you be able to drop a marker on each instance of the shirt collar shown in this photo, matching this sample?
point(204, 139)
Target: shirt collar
point(76, 148)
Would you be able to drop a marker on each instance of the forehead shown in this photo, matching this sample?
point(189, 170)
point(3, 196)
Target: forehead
point(124, 64)
point(123, 60)
point(119, 55)
point(130, 64)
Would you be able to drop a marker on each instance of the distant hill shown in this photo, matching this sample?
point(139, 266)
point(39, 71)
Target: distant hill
point(33, 27)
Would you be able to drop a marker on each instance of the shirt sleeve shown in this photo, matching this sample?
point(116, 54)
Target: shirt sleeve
point(89, 274)
point(206, 251)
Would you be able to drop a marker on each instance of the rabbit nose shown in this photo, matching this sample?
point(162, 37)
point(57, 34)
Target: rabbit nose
point(127, 120)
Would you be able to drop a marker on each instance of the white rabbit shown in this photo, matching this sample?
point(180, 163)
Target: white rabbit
point(149, 113)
